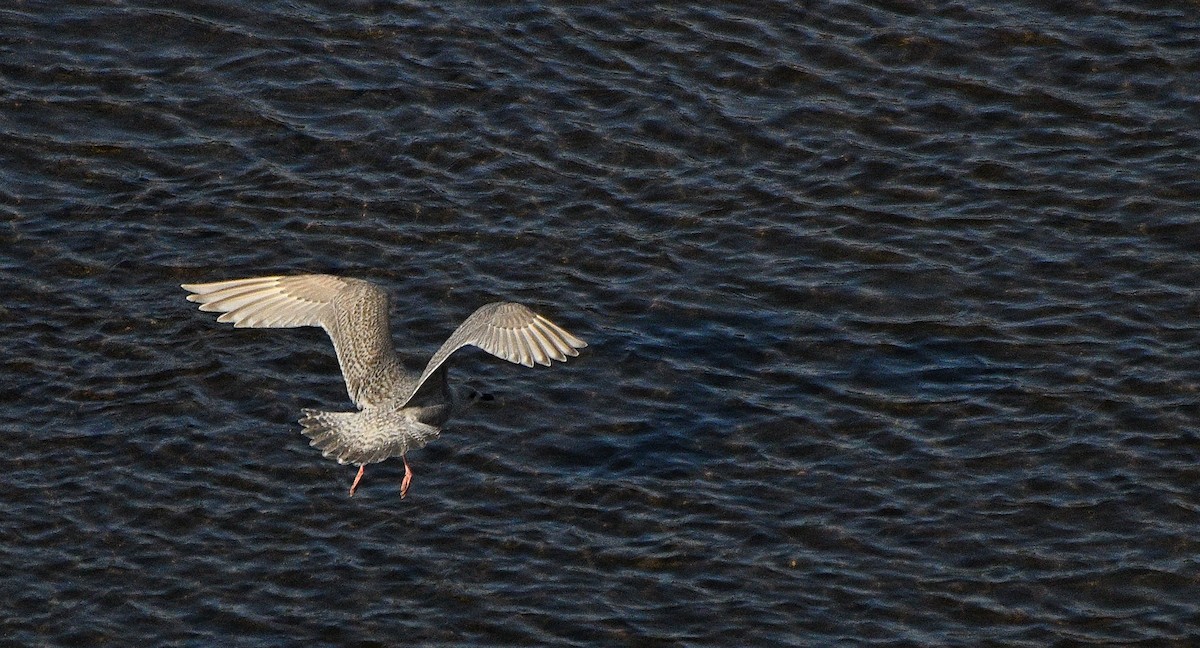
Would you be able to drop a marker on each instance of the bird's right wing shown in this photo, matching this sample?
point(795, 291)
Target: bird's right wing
point(506, 330)
point(353, 312)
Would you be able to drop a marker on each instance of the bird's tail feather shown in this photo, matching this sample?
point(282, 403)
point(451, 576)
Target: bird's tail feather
point(331, 433)
point(350, 439)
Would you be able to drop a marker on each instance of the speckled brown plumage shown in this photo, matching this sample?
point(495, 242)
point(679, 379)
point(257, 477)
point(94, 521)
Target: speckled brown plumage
point(398, 409)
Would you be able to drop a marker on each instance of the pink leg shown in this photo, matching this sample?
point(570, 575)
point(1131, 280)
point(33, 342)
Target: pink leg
point(354, 486)
point(407, 478)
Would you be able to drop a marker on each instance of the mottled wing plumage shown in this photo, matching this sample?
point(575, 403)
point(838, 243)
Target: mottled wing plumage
point(353, 312)
point(355, 315)
point(506, 330)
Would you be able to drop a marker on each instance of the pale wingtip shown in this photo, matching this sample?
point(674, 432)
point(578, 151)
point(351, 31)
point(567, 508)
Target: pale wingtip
point(195, 291)
point(574, 343)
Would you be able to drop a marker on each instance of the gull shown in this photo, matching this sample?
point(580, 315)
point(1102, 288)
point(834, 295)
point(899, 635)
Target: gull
point(398, 409)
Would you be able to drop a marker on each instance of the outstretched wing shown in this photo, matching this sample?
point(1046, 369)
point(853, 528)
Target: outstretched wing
point(506, 330)
point(353, 312)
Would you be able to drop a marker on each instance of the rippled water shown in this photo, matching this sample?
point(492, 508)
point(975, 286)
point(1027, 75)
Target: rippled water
point(892, 311)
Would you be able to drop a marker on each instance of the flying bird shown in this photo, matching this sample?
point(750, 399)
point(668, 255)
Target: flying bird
point(398, 409)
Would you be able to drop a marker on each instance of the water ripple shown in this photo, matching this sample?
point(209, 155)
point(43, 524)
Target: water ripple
point(891, 317)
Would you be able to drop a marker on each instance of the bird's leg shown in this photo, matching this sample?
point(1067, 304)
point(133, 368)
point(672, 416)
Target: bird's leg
point(354, 486)
point(407, 478)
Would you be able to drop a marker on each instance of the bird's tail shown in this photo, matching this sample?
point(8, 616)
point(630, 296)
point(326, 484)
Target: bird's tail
point(331, 432)
point(353, 438)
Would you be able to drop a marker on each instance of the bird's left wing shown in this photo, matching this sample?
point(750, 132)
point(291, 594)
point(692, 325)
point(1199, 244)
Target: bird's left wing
point(353, 312)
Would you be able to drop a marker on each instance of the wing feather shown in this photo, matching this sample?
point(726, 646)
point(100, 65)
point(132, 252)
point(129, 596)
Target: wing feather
point(535, 349)
point(250, 315)
point(548, 349)
point(509, 331)
point(561, 348)
point(353, 312)
point(226, 301)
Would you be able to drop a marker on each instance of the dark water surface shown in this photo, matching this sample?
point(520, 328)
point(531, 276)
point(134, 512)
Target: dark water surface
point(892, 310)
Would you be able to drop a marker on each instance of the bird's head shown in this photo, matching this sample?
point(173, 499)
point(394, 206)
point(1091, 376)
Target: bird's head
point(467, 397)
